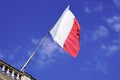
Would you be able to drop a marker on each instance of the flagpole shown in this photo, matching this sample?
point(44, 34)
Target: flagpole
point(35, 51)
point(39, 45)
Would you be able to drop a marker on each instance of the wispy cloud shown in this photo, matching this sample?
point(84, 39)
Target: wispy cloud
point(110, 46)
point(99, 7)
point(114, 22)
point(117, 3)
point(117, 27)
point(49, 53)
point(113, 19)
point(35, 41)
point(13, 56)
point(93, 7)
point(87, 9)
point(110, 50)
point(101, 32)
point(96, 64)
point(100, 65)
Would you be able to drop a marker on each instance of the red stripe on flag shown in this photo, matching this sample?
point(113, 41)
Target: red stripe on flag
point(71, 44)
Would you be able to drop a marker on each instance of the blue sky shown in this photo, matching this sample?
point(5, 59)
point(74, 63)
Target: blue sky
point(24, 23)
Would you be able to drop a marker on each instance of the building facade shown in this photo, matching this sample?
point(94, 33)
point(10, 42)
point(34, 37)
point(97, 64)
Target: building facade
point(7, 72)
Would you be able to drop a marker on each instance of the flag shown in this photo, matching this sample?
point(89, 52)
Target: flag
point(66, 32)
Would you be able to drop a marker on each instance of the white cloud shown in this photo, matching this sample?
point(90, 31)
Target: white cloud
point(101, 67)
point(114, 21)
point(101, 32)
point(96, 64)
point(16, 56)
point(35, 41)
point(110, 50)
point(87, 9)
point(99, 7)
point(93, 7)
point(117, 27)
point(113, 47)
point(48, 53)
point(49, 47)
point(117, 2)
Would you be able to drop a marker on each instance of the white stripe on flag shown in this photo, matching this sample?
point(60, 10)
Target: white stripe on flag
point(63, 27)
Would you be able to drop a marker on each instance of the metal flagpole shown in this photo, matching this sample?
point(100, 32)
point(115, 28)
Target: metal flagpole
point(39, 45)
point(37, 48)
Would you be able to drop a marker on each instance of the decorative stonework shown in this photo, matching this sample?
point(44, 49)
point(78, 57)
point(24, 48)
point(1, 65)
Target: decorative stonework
point(7, 72)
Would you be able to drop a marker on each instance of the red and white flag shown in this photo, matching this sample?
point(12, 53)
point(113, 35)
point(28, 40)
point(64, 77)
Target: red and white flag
point(66, 32)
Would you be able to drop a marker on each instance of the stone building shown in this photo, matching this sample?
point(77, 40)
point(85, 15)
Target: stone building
point(7, 72)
